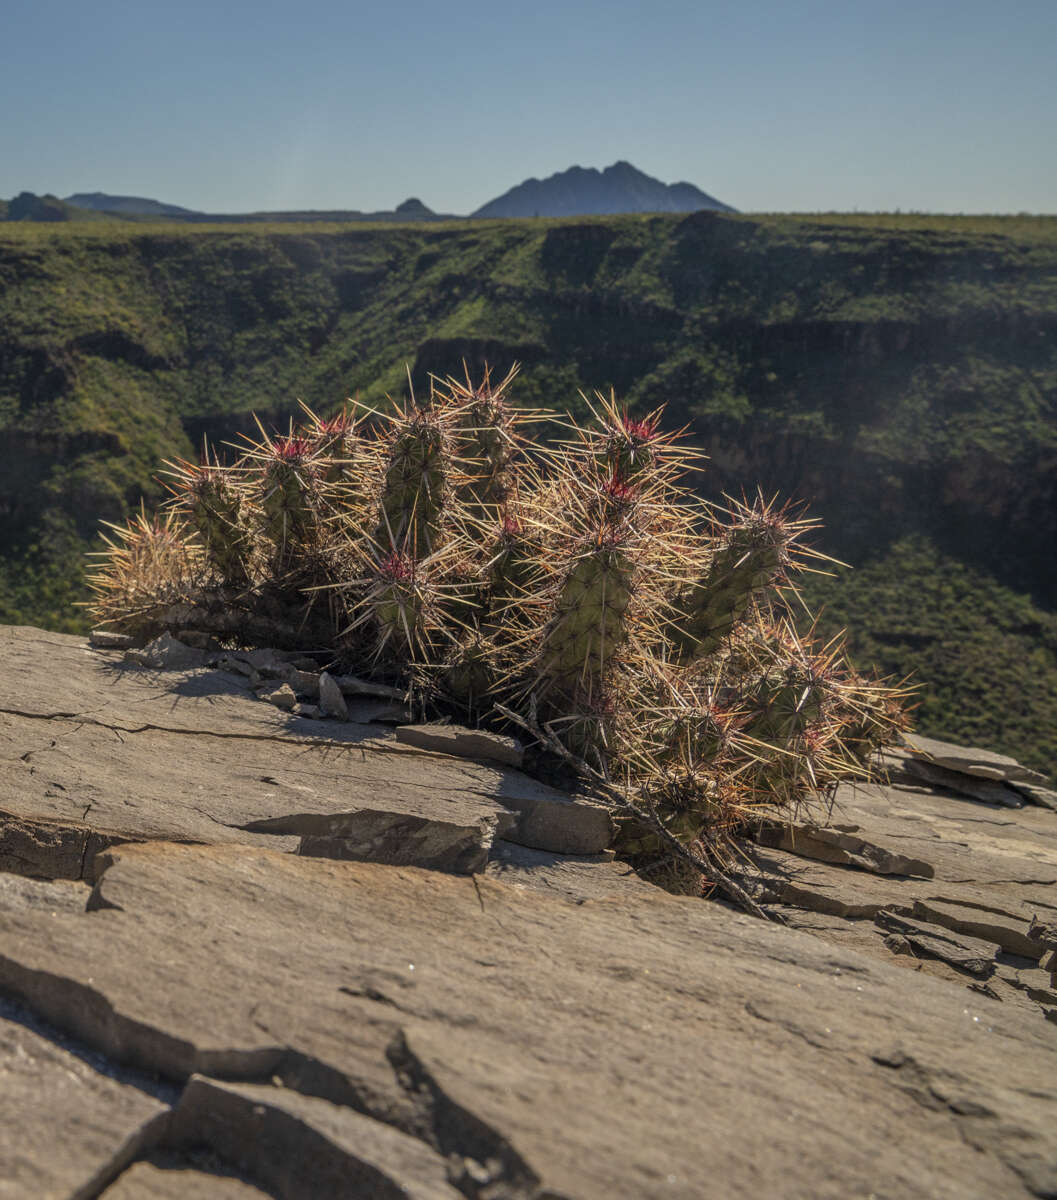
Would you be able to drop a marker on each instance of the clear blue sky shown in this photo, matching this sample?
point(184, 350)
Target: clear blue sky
point(767, 104)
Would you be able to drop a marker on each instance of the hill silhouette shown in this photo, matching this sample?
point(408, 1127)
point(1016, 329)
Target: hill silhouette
point(586, 191)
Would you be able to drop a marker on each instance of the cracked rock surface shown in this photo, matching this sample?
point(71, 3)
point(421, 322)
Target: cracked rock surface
point(225, 972)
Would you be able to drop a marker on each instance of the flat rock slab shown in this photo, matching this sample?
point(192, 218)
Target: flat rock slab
point(987, 790)
point(620, 1047)
point(970, 760)
point(302, 1145)
point(466, 743)
point(66, 1126)
point(939, 836)
point(172, 1177)
point(93, 753)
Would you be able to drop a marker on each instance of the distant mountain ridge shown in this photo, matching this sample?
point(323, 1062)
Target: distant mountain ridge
point(584, 191)
point(139, 206)
point(578, 191)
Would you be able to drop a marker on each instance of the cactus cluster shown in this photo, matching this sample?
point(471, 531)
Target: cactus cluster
point(580, 590)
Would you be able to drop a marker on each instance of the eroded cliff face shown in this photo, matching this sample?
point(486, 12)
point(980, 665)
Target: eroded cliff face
point(900, 377)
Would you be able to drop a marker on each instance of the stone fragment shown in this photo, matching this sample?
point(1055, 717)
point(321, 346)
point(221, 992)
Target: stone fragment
point(166, 653)
point(967, 954)
point(984, 764)
point(1043, 797)
point(463, 742)
point(281, 695)
point(331, 700)
point(352, 686)
point(989, 925)
point(404, 841)
point(171, 1176)
point(977, 787)
point(842, 846)
point(109, 639)
point(304, 683)
point(1043, 933)
point(307, 1146)
point(310, 711)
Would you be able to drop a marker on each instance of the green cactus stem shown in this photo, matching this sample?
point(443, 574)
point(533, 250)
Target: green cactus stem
point(750, 559)
point(290, 499)
point(414, 487)
point(587, 628)
point(214, 506)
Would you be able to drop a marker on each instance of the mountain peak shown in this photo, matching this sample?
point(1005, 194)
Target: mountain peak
point(582, 191)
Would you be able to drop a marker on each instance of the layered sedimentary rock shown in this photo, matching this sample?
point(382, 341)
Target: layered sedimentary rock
point(245, 952)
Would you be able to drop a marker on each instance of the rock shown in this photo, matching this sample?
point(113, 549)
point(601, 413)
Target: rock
point(173, 1176)
point(463, 742)
point(306, 1146)
point(1043, 934)
point(167, 653)
point(966, 954)
point(1043, 797)
point(1010, 932)
point(984, 764)
point(331, 701)
point(841, 845)
point(228, 662)
point(534, 1045)
point(108, 639)
point(304, 683)
point(282, 696)
point(69, 1122)
point(310, 711)
point(978, 787)
point(93, 754)
point(351, 686)
point(575, 877)
point(403, 841)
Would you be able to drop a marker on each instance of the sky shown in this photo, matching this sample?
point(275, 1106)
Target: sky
point(769, 105)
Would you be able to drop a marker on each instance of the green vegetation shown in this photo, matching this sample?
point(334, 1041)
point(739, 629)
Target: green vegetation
point(898, 373)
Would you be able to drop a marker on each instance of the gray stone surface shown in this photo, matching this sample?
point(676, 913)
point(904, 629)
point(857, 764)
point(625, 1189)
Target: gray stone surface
point(1043, 797)
point(982, 788)
point(94, 752)
point(331, 700)
point(620, 1047)
point(255, 1019)
point(66, 1126)
point(166, 1177)
point(301, 1145)
point(991, 871)
point(971, 760)
point(463, 742)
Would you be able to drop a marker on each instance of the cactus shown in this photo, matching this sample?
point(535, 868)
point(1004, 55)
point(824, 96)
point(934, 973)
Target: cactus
point(213, 503)
point(580, 590)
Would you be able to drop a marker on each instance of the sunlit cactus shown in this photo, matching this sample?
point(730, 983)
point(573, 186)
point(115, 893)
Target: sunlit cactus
point(213, 502)
point(579, 590)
